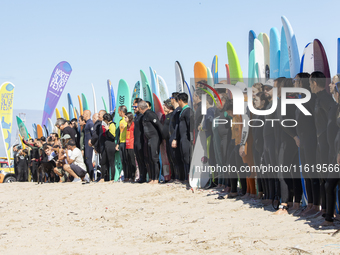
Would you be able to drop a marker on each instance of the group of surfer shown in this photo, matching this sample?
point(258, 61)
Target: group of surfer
point(313, 141)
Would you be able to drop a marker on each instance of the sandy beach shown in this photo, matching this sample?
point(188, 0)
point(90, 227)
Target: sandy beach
point(124, 218)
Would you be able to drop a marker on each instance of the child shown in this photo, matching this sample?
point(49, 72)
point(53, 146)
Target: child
point(130, 162)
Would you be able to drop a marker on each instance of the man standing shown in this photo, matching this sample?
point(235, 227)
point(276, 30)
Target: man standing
point(138, 134)
point(185, 133)
point(88, 131)
point(153, 133)
point(121, 137)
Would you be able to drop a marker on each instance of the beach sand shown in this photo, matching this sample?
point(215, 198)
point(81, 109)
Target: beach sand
point(120, 218)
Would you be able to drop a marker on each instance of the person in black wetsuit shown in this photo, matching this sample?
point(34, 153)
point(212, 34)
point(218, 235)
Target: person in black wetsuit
point(333, 179)
point(74, 125)
point(22, 164)
point(184, 136)
point(323, 107)
point(175, 152)
point(168, 109)
point(36, 152)
point(290, 183)
point(65, 128)
point(88, 152)
point(138, 144)
point(260, 102)
point(153, 132)
point(269, 138)
point(306, 131)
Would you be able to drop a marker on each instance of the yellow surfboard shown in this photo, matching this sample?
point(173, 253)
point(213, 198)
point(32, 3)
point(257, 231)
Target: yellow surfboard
point(65, 114)
point(200, 73)
point(40, 132)
point(80, 106)
point(57, 113)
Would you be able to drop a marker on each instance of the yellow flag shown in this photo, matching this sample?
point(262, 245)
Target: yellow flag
point(6, 114)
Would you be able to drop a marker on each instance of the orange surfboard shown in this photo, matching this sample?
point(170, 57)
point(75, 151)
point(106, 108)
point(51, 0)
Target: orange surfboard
point(80, 106)
point(200, 73)
point(40, 132)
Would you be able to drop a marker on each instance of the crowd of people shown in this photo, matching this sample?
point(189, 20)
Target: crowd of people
point(313, 141)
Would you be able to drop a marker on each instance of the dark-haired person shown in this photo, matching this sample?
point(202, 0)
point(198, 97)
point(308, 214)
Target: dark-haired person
point(168, 109)
point(335, 80)
point(138, 144)
point(130, 154)
point(22, 164)
point(257, 88)
point(260, 103)
point(107, 155)
point(121, 136)
point(82, 123)
point(184, 137)
point(65, 128)
point(323, 105)
point(88, 150)
point(333, 178)
point(74, 125)
point(306, 131)
point(75, 163)
point(175, 152)
point(153, 133)
point(149, 104)
point(290, 183)
point(36, 152)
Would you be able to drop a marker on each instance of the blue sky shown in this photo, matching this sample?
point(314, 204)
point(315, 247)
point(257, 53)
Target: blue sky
point(115, 39)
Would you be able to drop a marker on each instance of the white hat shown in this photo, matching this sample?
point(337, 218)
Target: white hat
point(242, 86)
point(269, 83)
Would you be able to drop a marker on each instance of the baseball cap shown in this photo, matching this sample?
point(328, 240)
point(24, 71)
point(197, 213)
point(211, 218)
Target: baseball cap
point(269, 83)
point(67, 136)
point(168, 103)
point(71, 143)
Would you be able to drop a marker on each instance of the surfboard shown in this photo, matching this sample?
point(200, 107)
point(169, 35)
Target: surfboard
point(123, 98)
point(113, 100)
point(70, 106)
point(307, 59)
point(321, 61)
point(179, 77)
point(227, 73)
point(274, 53)
point(163, 89)
point(190, 91)
point(293, 50)
point(266, 51)
point(259, 61)
point(85, 103)
point(251, 38)
point(260, 38)
point(199, 174)
point(234, 65)
point(45, 131)
point(94, 100)
point(57, 113)
point(65, 114)
point(251, 69)
point(109, 86)
point(105, 107)
point(39, 131)
point(34, 126)
point(210, 79)
point(154, 88)
point(50, 126)
point(80, 106)
point(214, 69)
point(164, 161)
point(147, 95)
point(75, 113)
point(200, 73)
point(284, 58)
point(22, 129)
point(136, 92)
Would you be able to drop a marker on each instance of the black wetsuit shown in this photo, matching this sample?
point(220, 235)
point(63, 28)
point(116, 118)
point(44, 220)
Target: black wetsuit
point(35, 160)
point(323, 105)
point(138, 146)
point(108, 158)
point(185, 137)
point(153, 132)
point(166, 136)
point(22, 163)
point(70, 131)
point(88, 152)
point(306, 131)
point(176, 152)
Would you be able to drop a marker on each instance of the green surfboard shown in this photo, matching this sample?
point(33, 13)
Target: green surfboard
point(123, 98)
point(234, 65)
point(147, 93)
point(85, 104)
point(105, 105)
point(22, 129)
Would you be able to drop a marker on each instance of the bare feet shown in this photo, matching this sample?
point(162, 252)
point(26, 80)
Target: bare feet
point(232, 195)
point(101, 180)
point(281, 212)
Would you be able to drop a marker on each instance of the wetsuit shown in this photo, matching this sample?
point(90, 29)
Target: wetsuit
point(185, 137)
point(290, 183)
point(306, 131)
point(176, 152)
point(269, 150)
point(70, 131)
point(121, 140)
point(22, 163)
point(153, 133)
point(138, 146)
point(130, 155)
point(98, 142)
point(108, 159)
point(323, 105)
point(88, 131)
point(166, 136)
point(35, 159)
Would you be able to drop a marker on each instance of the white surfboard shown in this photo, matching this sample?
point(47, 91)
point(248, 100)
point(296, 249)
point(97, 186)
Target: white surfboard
point(179, 77)
point(163, 89)
point(259, 60)
point(308, 59)
point(94, 100)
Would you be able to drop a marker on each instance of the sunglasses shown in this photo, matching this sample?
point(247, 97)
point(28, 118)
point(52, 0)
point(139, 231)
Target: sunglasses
point(171, 98)
point(134, 107)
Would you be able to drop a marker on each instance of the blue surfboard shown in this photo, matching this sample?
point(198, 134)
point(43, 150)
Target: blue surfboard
point(274, 53)
point(70, 106)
